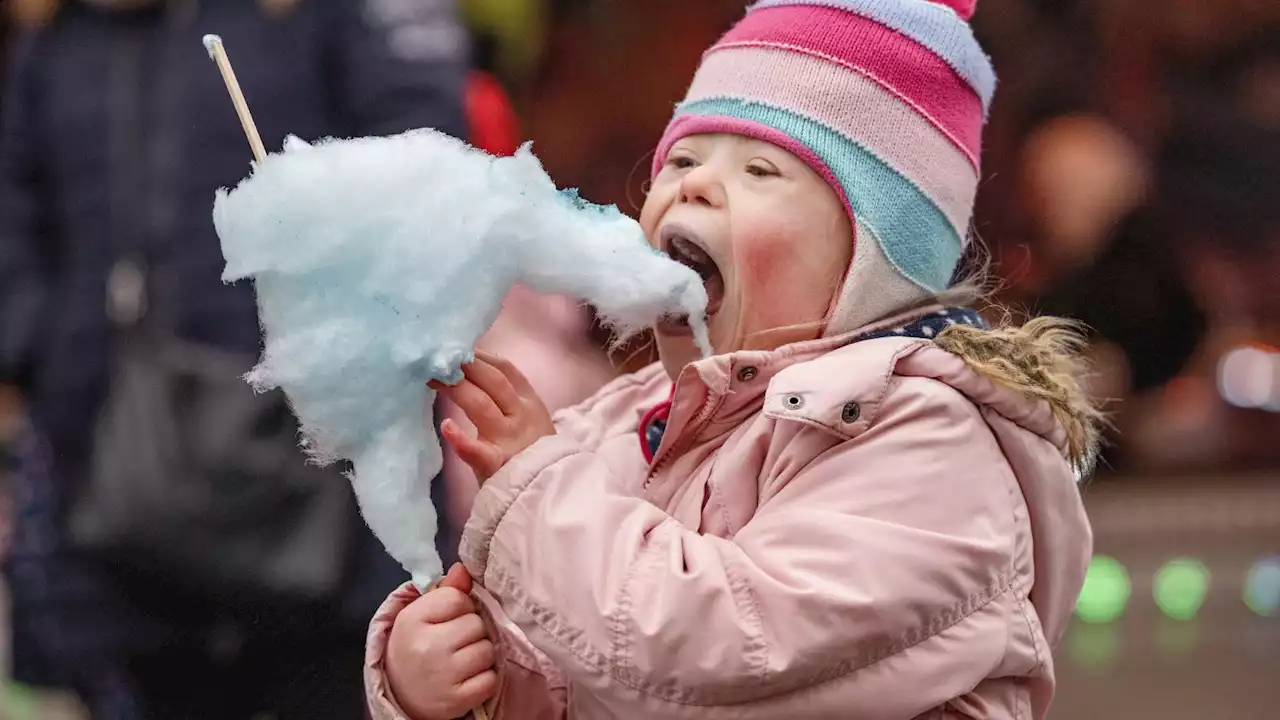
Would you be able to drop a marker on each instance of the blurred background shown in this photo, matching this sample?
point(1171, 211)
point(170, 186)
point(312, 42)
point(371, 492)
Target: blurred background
point(1131, 180)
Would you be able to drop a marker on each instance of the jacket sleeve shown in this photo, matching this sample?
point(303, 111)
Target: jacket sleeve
point(530, 687)
point(897, 538)
point(397, 66)
point(23, 252)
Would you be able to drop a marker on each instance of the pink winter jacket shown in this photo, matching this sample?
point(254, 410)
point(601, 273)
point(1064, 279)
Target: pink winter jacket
point(829, 530)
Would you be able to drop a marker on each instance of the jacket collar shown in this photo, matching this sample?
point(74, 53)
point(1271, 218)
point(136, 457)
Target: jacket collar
point(719, 393)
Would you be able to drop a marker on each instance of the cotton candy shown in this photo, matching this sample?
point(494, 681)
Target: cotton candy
point(378, 263)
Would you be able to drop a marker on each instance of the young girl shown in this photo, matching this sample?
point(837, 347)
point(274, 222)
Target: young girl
point(864, 505)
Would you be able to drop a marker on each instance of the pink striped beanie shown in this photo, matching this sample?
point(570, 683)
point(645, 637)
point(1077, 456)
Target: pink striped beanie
point(885, 99)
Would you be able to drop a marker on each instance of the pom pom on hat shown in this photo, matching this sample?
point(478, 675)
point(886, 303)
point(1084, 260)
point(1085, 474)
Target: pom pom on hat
point(963, 8)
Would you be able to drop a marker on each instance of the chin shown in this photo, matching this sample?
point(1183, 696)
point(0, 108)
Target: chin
point(675, 352)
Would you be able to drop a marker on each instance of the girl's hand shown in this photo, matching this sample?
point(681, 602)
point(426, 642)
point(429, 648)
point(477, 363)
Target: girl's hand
point(507, 414)
point(439, 659)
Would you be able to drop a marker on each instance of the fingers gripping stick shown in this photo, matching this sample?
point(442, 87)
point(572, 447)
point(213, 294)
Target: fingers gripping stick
point(462, 582)
point(218, 54)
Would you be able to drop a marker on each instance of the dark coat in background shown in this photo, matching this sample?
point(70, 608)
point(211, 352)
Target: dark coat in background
point(117, 131)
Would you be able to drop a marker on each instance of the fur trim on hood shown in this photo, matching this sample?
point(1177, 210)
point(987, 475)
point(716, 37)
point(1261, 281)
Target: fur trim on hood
point(1041, 359)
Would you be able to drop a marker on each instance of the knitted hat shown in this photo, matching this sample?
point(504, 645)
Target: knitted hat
point(886, 100)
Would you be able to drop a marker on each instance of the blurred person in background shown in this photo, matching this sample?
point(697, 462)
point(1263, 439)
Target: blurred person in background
point(1076, 205)
point(117, 131)
point(1104, 258)
point(1172, 259)
point(1219, 209)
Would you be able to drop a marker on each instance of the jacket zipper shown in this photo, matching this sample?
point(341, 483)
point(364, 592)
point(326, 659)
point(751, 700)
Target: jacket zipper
point(709, 407)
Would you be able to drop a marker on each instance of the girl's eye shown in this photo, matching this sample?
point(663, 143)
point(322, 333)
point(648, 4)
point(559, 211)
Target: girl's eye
point(762, 170)
point(680, 162)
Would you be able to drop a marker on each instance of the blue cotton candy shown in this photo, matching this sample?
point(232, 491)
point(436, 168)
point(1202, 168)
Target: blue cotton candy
point(378, 263)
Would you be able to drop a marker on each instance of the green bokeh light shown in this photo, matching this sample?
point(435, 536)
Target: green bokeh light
point(1181, 587)
point(1106, 591)
point(1262, 588)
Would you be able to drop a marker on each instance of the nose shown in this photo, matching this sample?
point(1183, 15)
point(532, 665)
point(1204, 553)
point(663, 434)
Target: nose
point(702, 186)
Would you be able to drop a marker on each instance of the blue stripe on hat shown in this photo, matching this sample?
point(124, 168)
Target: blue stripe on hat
point(934, 26)
point(915, 236)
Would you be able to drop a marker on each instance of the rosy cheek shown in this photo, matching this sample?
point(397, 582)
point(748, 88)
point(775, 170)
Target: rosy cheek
point(781, 288)
point(764, 265)
point(765, 275)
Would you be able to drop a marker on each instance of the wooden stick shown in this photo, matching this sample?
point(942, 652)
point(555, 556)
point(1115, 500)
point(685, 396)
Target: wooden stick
point(218, 54)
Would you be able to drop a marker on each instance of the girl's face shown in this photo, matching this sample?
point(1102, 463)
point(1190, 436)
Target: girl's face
point(769, 236)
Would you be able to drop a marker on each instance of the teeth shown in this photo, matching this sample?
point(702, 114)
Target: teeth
point(690, 250)
point(689, 253)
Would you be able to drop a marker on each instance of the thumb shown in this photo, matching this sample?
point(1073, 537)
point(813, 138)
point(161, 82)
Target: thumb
point(458, 578)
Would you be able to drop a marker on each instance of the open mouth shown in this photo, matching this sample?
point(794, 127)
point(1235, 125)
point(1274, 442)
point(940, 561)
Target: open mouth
point(683, 246)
